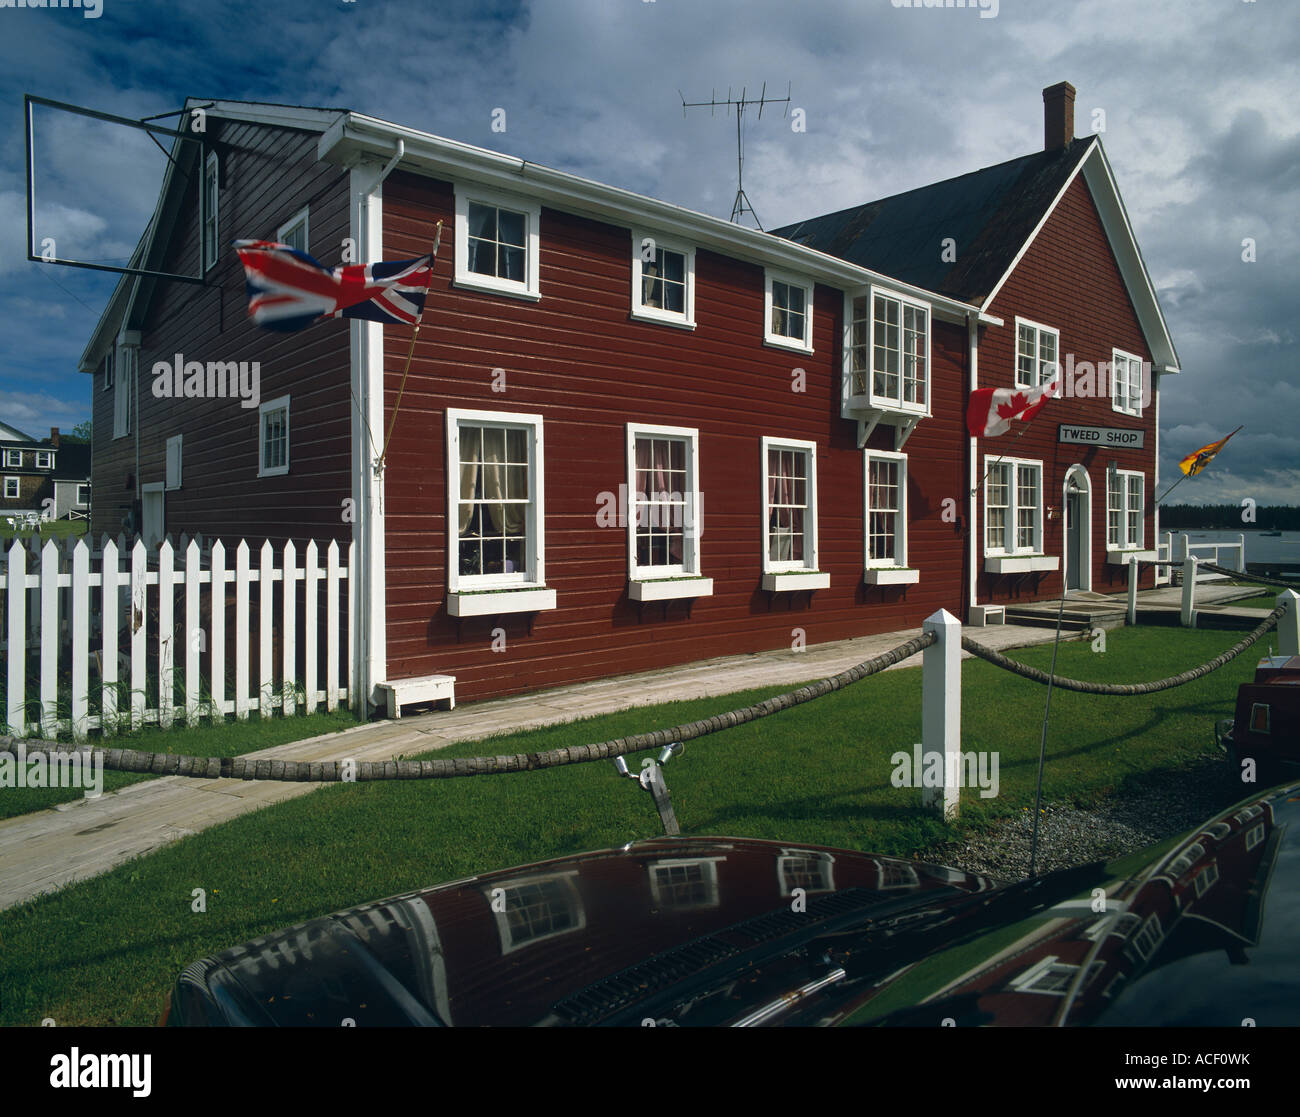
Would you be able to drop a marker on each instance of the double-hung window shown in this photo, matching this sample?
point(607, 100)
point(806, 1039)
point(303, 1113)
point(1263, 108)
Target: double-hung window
point(663, 281)
point(108, 370)
point(13, 459)
point(495, 501)
point(790, 515)
point(886, 510)
point(12, 488)
point(787, 307)
point(1124, 509)
point(273, 440)
point(665, 518)
point(44, 459)
point(497, 239)
point(1126, 383)
point(294, 231)
point(1036, 353)
point(889, 352)
point(1013, 507)
point(211, 203)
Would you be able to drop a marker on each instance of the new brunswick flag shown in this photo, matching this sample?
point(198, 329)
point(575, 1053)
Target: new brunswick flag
point(1199, 459)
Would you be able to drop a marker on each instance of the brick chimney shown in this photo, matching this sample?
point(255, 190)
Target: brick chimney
point(1058, 116)
point(54, 437)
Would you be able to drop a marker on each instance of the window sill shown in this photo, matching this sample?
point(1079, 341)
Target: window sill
point(1120, 558)
point(788, 344)
point(668, 589)
point(891, 576)
point(486, 286)
point(793, 580)
point(678, 322)
point(1020, 564)
point(489, 603)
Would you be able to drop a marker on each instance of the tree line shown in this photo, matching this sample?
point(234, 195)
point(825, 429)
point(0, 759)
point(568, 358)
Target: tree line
point(1228, 517)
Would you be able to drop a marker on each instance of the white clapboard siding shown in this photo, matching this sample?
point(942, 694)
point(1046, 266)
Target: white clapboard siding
point(113, 609)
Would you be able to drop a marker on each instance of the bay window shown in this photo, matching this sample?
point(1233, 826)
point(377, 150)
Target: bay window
point(889, 352)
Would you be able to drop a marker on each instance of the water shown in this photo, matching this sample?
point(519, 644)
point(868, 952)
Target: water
point(1259, 547)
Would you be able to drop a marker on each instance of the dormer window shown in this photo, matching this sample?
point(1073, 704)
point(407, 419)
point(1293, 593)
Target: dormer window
point(13, 459)
point(44, 459)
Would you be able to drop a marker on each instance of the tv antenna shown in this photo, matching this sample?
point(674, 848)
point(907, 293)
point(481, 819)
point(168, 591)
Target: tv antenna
point(741, 205)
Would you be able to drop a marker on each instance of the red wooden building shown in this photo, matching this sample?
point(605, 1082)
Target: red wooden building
point(634, 435)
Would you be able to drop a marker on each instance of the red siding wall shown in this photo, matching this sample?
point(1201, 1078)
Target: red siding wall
point(266, 176)
point(1068, 280)
point(577, 359)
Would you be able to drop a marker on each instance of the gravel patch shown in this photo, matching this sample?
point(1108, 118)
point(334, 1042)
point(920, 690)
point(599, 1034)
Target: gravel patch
point(1069, 835)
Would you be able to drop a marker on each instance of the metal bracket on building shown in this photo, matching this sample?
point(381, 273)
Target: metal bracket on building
point(651, 779)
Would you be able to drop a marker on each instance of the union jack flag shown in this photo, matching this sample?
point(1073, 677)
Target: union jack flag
point(289, 290)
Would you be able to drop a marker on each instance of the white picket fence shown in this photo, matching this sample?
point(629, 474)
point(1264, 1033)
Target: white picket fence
point(83, 603)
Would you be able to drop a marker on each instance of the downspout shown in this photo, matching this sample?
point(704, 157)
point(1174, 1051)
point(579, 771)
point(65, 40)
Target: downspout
point(973, 346)
point(369, 664)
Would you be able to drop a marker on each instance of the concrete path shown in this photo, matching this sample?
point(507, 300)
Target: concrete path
point(48, 849)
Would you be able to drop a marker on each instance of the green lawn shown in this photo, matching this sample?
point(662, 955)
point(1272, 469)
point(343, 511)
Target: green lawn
point(50, 529)
point(1263, 601)
point(106, 951)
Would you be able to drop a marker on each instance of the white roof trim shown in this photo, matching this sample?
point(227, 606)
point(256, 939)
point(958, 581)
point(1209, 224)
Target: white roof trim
point(1119, 232)
point(354, 136)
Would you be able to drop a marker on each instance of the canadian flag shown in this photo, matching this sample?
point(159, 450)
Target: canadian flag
point(992, 409)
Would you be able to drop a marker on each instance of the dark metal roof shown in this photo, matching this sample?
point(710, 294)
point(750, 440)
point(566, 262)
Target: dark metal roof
point(989, 213)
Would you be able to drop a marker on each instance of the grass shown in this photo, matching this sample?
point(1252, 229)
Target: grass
point(227, 738)
point(49, 529)
point(1262, 601)
point(105, 951)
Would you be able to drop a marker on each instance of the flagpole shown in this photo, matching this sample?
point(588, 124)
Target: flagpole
point(1171, 488)
point(410, 352)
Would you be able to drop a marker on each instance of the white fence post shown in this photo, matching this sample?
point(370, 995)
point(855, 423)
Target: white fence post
point(217, 636)
point(265, 620)
point(50, 641)
point(1288, 625)
point(241, 630)
point(139, 598)
point(941, 710)
point(108, 625)
point(194, 636)
point(1189, 591)
point(288, 629)
point(1132, 591)
point(332, 626)
point(79, 599)
point(16, 607)
point(311, 617)
point(1241, 553)
point(166, 635)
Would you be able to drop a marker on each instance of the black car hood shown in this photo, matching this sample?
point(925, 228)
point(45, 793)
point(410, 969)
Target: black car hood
point(732, 930)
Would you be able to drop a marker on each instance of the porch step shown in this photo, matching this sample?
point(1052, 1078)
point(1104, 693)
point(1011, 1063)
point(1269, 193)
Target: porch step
point(1072, 620)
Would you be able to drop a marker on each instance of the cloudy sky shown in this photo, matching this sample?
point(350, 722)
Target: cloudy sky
point(1199, 100)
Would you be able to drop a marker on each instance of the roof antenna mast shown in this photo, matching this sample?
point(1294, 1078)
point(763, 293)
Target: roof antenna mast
point(741, 205)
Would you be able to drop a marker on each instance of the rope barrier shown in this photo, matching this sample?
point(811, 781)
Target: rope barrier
point(334, 771)
point(1037, 676)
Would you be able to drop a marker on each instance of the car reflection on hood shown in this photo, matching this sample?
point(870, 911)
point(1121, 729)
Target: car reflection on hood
point(735, 931)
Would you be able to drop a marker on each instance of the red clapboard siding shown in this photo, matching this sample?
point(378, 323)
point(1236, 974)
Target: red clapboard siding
point(266, 176)
point(577, 359)
point(1069, 280)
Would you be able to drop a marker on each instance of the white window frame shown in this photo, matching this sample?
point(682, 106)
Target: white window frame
point(299, 218)
point(809, 561)
point(571, 897)
point(534, 575)
point(17, 484)
point(873, 399)
point(1039, 330)
point(263, 470)
point(123, 390)
point(210, 210)
point(48, 462)
point(10, 463)
point(531, 209)
point(1128, 407)
point(83, 485)
point(1117, 483)
point(899, 561)
point(641, 312)
point(173, 476)
point(108, 370)
point(798, 345)
point(1013, 507)
point(692, 523)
